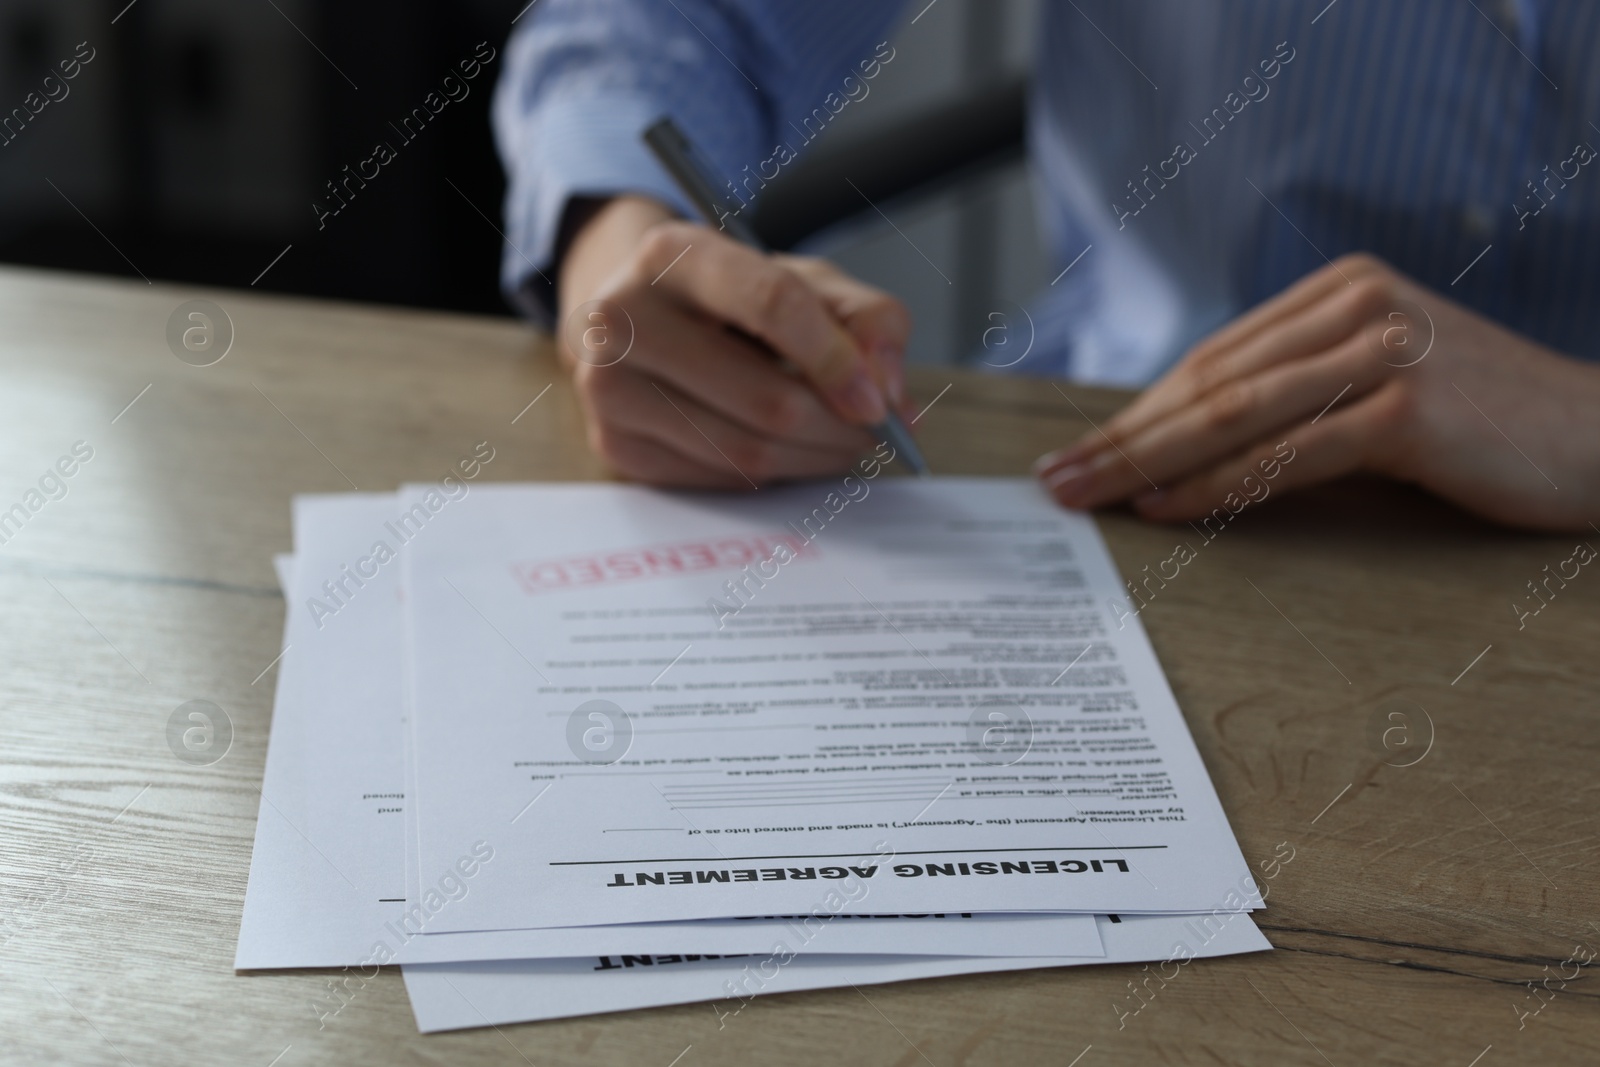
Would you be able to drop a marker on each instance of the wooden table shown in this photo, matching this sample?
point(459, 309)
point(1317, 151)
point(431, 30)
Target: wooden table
point(1430, 880)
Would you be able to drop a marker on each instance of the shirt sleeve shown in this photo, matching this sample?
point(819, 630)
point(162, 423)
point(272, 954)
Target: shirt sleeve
point(583, 78)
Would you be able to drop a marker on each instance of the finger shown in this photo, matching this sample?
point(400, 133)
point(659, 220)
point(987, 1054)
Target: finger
point(879, 323)
point(645, 407)
point(755, 293)
point(1316, 328)
point(1219, 424)
point(1336, 445)
point(741, 381)
point(1293, 301)
point(645, 459)
point(1337, 317)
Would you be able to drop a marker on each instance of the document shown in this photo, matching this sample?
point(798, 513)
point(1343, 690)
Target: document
point(456, 996)
point(327, 881)
point(661, 707)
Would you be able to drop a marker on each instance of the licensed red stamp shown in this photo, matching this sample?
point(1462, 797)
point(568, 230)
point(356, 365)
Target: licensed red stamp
point(657, 561)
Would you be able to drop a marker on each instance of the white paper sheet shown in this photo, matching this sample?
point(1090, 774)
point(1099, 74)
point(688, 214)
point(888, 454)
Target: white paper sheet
point(457, 996)
point(827, 928)
point(283, 567)
point(928, 688)
point(326, 879)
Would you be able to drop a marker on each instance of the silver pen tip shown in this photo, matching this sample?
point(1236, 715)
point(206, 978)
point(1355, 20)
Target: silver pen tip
point(896, 434)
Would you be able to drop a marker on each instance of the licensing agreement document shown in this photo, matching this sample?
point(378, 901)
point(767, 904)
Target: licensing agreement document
point(326, 885)
point(665, 707)
point(457, 996)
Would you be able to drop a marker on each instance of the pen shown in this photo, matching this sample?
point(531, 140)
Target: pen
point(675, 152)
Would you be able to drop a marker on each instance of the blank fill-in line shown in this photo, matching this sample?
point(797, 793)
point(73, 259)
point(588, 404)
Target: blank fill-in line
point(860, 855)
point(825, 803)
point(812, 788)
point(779, 799)
point(855, 787)
point(741, 786)
point(795, 803)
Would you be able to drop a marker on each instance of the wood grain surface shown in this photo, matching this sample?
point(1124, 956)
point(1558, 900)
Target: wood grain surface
point(1439, 875)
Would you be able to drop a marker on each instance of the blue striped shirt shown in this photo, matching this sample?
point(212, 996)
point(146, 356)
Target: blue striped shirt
point(1199, 155)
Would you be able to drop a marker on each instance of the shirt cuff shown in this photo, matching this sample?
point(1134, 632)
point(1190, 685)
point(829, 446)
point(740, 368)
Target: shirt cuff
point(586, 147)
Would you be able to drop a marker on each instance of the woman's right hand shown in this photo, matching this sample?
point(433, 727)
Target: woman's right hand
point(702, 363)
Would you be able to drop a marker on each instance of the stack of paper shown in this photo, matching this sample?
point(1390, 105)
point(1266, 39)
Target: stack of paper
point(567, 749)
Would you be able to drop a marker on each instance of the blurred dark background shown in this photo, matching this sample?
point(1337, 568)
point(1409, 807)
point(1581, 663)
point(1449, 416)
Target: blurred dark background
point(201, 132)
point(192, 147)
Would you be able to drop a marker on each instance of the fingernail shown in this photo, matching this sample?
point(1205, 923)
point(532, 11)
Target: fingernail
point(1054, 459)
point(1070, 484)
point(1153, 499)
point(1070, 454)
point(861, 398)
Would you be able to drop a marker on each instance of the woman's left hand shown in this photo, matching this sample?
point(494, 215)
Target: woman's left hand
point(1355, 367)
